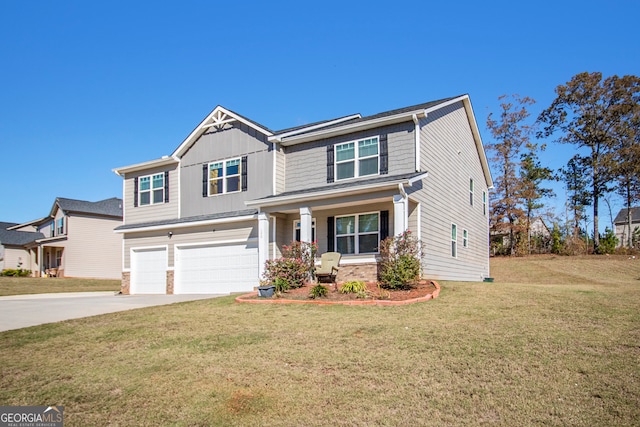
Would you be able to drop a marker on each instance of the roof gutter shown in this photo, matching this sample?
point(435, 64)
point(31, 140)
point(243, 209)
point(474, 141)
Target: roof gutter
point(278, 138)
point(164, 161)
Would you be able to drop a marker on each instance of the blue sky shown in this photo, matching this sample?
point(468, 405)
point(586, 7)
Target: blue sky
point(90, 86)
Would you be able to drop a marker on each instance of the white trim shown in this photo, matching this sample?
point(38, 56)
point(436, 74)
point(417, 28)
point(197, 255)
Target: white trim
point(353, 127)
point(224, 176)
point(358, 258)
point(465, 238)
point(178, 192)
point(164, 161)
point(274, 168)
point(356, 158)
point(124, 202)
point(215, 243)
point(151, 189)
point(273, 236)
point(218, 117)
point(453, 240)
point(416, 121)
point(189, 224)
point(332, 192)
point(356, 232)
point(314, 127)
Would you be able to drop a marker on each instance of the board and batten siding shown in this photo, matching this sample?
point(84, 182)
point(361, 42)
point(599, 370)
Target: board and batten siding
point(148, 213)
point(233, 141)
point(209, 234)
point(450, 156)
point(306, 164)
point(92, 249)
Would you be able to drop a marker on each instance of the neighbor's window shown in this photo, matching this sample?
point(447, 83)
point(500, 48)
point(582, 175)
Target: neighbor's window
point(224, 177)
point(358, 234)
point(465, 239)
point(357, 158)
point(454, 240)
point(151, 189)
point(58, 257)
point(52, 230)
point(296, 230)
point(60, 227)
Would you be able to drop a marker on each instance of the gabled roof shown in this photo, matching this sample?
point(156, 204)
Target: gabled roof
point(109, 207)
point(5, 225)
point(621, 218)
point(218, 117)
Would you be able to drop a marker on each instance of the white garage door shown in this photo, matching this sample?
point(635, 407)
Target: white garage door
point(215, 269)
point(149, 271)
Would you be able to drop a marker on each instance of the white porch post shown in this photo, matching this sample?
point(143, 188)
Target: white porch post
point(305, 224)
point(400, 214)
point(263, 240)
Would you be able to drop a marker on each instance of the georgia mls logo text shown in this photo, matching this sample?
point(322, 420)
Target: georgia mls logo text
point(31, 416)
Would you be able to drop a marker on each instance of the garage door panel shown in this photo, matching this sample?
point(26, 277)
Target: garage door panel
point(149, 271)
point(216, 268)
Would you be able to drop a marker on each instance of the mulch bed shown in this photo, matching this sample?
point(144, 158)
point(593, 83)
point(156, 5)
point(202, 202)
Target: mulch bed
point(374, 293)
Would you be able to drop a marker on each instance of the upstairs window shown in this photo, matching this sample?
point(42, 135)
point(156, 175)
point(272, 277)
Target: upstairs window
point(471, 191)
point(151, 189)
point(224, 177)
point(60, 227)
point(357, 158)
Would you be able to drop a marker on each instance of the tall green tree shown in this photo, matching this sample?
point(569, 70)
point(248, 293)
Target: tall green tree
point(585, 113)
point(532, 176)
point(511, 134)
point(576, 180)
point(627, 164)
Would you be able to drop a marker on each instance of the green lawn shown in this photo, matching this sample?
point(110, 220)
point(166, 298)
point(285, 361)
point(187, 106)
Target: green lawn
point(40, 285)
point(553, 341)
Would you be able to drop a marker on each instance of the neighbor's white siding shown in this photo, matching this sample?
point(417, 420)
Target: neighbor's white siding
point(92, 249)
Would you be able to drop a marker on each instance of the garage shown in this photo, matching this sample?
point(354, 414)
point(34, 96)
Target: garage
point(149, 271)
point(216, 268)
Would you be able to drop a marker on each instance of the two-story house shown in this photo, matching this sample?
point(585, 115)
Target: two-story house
point(76, 239)
point(206, 218)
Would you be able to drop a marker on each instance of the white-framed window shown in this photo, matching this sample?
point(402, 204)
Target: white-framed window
point(58, 257)
point(465, 238)
point(358, 234)
point(296, 230)
point(471, 191)
point(60, 227)
point(224, 176)
point(52, 230)
point(454, 240)
point(484, 203)
point(151, 189)
point(357, 158)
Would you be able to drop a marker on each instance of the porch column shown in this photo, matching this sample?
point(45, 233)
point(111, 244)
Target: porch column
point(305, 224)
point(263, 241)
point(40, 260)
point(400, 214)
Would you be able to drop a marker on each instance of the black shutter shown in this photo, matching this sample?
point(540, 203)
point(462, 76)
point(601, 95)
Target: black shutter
point(330, 234)
point(384, 155)
point(330, 164)
point(384, 225)
point(135, 192)
point(244, 173)
point(166, 186)
point(205, 180)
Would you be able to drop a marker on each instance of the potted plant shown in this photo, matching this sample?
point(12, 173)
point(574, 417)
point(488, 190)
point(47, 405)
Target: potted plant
point(266, 289)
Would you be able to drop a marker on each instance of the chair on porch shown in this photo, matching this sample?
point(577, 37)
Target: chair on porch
point(328, 267)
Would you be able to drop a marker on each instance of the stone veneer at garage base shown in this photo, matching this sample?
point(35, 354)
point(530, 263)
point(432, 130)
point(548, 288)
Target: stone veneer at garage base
point(366, 272)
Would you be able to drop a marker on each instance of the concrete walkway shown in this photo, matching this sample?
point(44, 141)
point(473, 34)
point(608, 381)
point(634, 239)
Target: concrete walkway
point(21, 311)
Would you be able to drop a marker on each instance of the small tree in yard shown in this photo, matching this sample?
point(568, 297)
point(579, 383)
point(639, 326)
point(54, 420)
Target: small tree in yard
point(400, 261)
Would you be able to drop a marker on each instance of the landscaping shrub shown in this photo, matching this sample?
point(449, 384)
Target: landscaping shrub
point(318, 291)
point(294, 268)
point(15, 272)
point(281, 284)
point(303, 251)
point(353, 287)
point(400, 261)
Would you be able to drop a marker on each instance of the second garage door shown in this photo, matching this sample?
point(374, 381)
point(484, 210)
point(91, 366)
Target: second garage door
point(149, 271)
point(211, 269)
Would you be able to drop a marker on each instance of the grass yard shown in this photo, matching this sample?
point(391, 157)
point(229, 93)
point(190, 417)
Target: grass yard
point(39, 285)
point(554, 341)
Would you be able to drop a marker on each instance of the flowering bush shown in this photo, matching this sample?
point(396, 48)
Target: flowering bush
point(400, 261)
point(295, 267)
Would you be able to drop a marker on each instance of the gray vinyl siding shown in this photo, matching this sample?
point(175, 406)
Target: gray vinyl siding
point(156, 212)
point(209, 234)
point(233, 141)
point(280, 170)
point(306, 164)
point(92, 249)
point(450, 156)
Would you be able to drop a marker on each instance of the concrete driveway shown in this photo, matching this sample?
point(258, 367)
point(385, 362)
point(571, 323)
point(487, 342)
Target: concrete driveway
point(21, 311)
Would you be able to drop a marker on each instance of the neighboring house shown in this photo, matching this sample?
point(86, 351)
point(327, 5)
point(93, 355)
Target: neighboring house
point(539, 239)
point(206, 218)
point(622, 224)
point(77, 239)
point(16, 247)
